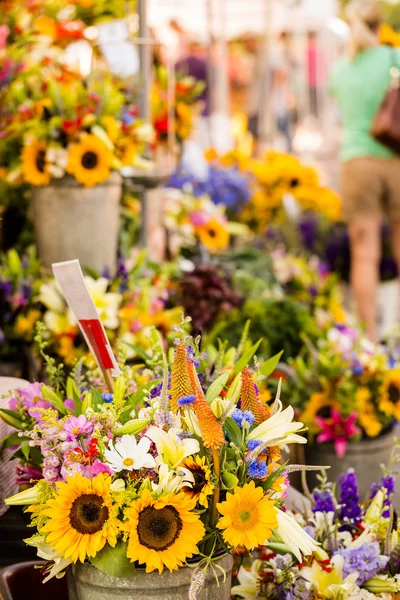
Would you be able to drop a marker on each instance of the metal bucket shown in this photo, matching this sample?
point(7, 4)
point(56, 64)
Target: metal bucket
point(365, 457)
point(85, 582)
point(72, 221)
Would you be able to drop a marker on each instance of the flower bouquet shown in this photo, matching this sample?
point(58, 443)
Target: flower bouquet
point(169, 475)
point(360, 541)
point(347, 390)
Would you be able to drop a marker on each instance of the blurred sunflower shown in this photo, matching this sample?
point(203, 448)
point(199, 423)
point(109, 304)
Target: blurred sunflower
point(89, 161)
point(81, 519)
point(163, 532)
point(319, 405)
point(34, 164)
point(202, 486)
point(213, 235)
point(127, 151)
point(366, 413)
point(390, 394)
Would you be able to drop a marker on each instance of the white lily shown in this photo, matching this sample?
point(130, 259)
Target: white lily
point(248, 580)
point(279, 428)
point(28, 496)
point(296, 539)
point(374, 511)
point(171, 449)
point(127, 454)
point(50, 295)
point(48, 553)
point(169, 482)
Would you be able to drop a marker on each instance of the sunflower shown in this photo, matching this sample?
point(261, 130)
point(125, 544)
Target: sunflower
point(202, 486)
point(213, 235)
point(366, 413)
point(390, 394)
point(127, 151)
point(248, 517)
point(90, 161)
point(34, 164)
point(82, 518)
point(163, 532)
point(319, 405)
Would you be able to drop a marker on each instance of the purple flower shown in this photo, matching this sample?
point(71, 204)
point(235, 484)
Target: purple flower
point(366, 559)
point(78, 426)
point(257, 469)
point(185, 400)
point(388, 484)
point(350, 510)
point(96, 468)
point(323, 502)
point(253, 444)
point(69, 404)
point(26, 474)
point(107, 397)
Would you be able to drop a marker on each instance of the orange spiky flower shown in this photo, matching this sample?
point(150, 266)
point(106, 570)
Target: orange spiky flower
point(211, 431)
point(249, 398)
point(181, 388)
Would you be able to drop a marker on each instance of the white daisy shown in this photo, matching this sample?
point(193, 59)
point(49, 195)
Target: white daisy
point(127, 455)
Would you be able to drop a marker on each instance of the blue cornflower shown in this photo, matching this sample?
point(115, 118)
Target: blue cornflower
point(185, 400)
point(253, 444)
point(107, 397)
point(323, 502)
point(257, 469)
point(243, 419)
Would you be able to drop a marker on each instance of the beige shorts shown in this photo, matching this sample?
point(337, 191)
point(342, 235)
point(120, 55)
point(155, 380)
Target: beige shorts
point(371, 188)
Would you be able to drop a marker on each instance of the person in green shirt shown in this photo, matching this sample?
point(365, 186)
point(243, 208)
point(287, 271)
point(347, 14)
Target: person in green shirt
point(371, 172)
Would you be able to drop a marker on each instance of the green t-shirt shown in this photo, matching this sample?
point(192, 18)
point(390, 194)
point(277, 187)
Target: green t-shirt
point(360, 85)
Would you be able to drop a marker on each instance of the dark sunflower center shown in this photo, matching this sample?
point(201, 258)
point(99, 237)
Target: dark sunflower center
point(199, 481)
point(324, 412)
point(294, 182)
point(394, 394)
point(88, 513)
point(90, 160)
point(212, 233)
point(159, 528)
point(40, 160)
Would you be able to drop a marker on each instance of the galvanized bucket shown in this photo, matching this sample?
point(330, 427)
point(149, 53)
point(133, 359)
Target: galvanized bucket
point(72, 221)
point(365, 457)
point(85, 582)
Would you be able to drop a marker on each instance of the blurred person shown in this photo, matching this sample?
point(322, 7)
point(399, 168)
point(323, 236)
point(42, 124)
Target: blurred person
point(371, 172)
point(195, 64)
point(312, 71)
point(283, 103)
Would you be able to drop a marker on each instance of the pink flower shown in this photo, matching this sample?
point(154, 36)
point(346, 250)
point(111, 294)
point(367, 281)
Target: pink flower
point(4, 31)
point(337, 430)
point(78, 426)
point(31, 397)
point(69, 404)
point(96, 468)
point(199, 218)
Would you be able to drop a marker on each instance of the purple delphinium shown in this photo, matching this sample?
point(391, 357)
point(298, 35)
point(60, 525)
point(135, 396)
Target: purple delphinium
point(350, 510)
point(323, 502)
point(367, 560)
point(388, 484)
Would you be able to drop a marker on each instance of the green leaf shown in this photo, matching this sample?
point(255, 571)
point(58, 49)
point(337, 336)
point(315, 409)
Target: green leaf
point(11, 419)
point(246, 357)
point(217, 386)
point(113, 561)
point(229, 481)
point(138, 351)
point(269, 482)
point(13, 439)
point(74, 393)
point(234, 389)
point(55, 400)
point(25, 449)
point(14, 263)
point(270, 365)
point(97, 398)
point(233, 431)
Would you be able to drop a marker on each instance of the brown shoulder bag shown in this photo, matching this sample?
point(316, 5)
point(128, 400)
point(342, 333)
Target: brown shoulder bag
point(386, 125)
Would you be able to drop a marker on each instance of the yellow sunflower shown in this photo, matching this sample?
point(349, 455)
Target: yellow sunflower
point(390, 394)
point(163, 532)
point(319, 405)
point(90, 161)
point(366, 413)
point(248, 517)
point(213, 235)
point(202, 487)
point(34, 165)
point(82, 518)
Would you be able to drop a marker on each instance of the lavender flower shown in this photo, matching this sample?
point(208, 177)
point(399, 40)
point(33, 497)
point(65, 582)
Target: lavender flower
point(366, 559)
point(388, 484)
point(350, 510)
point(323, 502)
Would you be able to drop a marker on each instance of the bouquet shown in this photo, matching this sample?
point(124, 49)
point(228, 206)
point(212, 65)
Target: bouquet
point(56, 123)
point(159, 475)
point(346, 388)
point(360, 541)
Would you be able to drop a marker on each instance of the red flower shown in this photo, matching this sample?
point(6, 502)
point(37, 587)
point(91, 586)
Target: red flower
point(162, 125)
point(72, 126)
